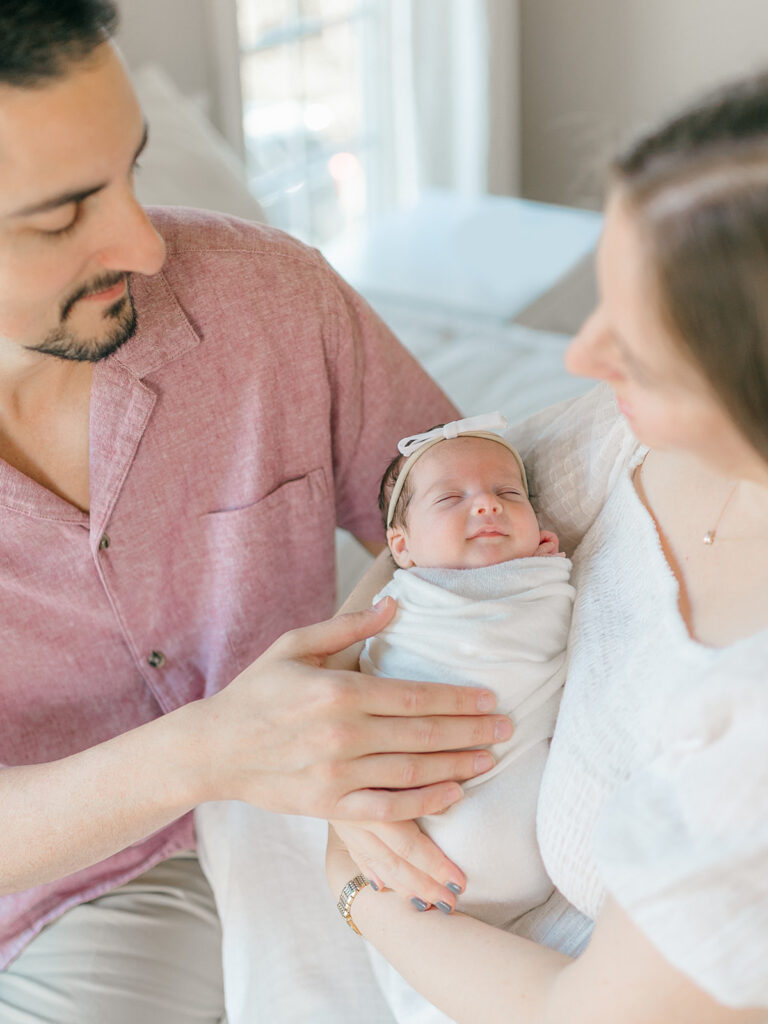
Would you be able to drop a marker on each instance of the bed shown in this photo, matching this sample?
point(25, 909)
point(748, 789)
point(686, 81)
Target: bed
point(484, 291)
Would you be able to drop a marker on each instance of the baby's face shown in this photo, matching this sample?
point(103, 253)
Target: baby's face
point(468, 509)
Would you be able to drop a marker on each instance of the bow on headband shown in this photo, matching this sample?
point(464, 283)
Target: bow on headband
point(487, 421)
point(416, 445)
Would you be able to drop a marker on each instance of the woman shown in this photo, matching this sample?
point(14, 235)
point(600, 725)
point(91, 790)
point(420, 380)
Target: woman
point(653, 814)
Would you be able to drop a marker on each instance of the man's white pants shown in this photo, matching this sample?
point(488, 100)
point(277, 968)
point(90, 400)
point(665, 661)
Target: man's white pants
point(288, 957)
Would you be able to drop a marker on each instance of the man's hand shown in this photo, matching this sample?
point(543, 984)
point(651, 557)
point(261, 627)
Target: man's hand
point(291, 736)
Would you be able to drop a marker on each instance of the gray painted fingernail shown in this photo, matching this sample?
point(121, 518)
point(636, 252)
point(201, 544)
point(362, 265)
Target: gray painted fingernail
point(419, 904)
point(445, 907)
point(454, 887)
point(373, 885)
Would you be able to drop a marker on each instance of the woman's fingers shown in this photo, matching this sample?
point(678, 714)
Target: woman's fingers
point(406, 860)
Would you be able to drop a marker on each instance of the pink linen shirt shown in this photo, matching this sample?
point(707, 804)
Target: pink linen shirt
point(255, 408)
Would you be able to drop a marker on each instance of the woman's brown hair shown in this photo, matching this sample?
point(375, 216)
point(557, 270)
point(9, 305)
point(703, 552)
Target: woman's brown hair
point(699, 189)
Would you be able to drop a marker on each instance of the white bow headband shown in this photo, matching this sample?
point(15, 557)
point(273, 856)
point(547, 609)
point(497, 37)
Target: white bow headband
point(417, 444)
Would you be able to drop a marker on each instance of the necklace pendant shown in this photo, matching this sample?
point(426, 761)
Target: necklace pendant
point(709, 537)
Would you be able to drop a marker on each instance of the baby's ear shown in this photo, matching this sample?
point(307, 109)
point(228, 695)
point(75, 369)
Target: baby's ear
point(548, 543)
point(398, 545)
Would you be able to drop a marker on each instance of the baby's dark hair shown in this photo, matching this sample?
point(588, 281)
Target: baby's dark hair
point(386, 487)
point(388, 481)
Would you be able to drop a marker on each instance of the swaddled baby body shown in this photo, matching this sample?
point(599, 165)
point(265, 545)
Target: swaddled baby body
point(483, 598)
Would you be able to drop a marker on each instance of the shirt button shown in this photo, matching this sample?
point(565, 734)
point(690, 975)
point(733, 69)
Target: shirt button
point(156, 659)
point(104, 542)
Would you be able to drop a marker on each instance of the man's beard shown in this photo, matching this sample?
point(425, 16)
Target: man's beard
point(64, 344)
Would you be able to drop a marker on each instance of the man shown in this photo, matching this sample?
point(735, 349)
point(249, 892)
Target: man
point(188, 406)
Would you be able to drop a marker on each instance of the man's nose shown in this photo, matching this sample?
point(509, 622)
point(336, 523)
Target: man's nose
point(486, 504)
point(132, 244)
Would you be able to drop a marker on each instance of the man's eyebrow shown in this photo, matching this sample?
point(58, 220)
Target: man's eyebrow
point(80, 194)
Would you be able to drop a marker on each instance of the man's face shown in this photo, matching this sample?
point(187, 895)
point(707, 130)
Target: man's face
point(71, 230)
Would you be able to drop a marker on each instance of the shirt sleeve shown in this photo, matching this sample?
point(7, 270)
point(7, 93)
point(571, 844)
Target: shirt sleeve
point(574, 453)
point(683, 845)
point(380, 394)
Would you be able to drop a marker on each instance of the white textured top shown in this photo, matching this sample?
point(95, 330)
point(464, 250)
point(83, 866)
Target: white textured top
point(656, 789)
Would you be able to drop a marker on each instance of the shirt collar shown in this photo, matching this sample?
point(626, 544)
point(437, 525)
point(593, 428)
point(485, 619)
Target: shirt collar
point(163, 331)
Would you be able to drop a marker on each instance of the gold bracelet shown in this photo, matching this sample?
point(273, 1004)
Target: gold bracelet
point(348, 893)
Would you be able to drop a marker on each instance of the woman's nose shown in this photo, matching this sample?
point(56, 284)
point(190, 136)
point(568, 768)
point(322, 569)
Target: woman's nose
point(590, 352)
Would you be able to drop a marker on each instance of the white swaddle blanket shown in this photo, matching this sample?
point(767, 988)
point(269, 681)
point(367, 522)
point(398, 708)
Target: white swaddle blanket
point(503, 627)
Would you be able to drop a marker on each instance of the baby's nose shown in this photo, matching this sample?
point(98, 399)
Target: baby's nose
point(486, 504)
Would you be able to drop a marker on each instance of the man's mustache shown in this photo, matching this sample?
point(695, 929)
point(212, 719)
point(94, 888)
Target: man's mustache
point(98, 284)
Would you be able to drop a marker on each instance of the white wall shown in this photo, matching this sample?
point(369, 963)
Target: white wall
point(596, 71)
point(171, 33)
point(187, 38)
point(592, 73)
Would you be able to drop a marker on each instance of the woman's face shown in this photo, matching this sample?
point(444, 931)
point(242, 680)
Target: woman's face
point(667, 401)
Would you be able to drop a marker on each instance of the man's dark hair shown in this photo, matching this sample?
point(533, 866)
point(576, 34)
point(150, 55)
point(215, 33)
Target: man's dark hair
point(40, 39)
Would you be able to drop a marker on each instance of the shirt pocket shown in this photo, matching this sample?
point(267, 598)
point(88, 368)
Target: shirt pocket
point(310, 486)
point(270, 565)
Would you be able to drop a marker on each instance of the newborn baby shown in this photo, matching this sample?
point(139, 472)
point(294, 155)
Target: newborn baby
point(483, 597)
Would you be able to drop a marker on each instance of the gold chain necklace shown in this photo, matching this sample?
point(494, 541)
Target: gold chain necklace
point(710, 535)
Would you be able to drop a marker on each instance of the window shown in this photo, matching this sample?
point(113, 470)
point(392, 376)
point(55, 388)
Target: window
point(310, 73)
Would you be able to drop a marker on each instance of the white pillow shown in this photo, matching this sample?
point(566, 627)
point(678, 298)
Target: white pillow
point(187, 162)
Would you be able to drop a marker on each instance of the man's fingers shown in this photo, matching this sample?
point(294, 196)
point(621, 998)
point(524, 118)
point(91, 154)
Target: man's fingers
point(397, 805)
point(324, 638)
point(403, 697)
point(413, 771)
point(431, 735)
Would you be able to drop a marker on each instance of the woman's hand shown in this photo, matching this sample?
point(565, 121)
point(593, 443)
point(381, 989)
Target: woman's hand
point(399, 856)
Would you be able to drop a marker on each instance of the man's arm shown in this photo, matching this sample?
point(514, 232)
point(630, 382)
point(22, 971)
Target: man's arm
point(286, 735)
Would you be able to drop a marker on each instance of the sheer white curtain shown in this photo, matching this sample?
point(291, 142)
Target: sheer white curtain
point(453, 85)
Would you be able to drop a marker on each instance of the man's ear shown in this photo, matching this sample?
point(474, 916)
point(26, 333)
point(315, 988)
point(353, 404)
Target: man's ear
point(398, 545)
